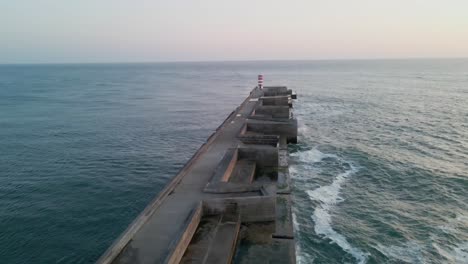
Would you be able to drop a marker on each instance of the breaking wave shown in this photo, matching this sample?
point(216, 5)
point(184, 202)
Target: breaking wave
point(328, 197)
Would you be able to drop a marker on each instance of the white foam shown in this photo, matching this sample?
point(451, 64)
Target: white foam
point(295, 223)
point(410, 252)
point(304, 130)
point(302, 257)
point(460, 253)
point(461, 220)
point(329, 196)
point(312, 156)
point(292, 169)
point(294, 173)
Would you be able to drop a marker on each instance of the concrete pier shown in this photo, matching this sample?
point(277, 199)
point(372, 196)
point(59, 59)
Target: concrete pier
point(230, 203)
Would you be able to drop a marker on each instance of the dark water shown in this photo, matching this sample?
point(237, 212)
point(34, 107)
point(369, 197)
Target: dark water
point(380, 173)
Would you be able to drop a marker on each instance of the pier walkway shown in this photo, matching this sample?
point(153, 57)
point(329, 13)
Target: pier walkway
point(164, 230)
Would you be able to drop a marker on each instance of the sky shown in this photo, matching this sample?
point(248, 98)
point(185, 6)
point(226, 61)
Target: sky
point(61, 31)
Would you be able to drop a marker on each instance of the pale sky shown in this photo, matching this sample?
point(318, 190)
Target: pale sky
point(56, 31)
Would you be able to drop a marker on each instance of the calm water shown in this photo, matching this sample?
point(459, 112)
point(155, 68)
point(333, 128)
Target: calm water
point(380, 173)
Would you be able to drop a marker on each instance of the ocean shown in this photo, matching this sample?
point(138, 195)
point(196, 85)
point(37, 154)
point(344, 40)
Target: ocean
point(380, 173)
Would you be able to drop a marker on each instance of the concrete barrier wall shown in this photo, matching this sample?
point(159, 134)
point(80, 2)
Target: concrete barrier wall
point(252, 209)
point(288, 129)
point(276, 90)
point(271, 140)
point(243, 130)
point(229, 187)
point(266, 156)
point(181, 244)
point(225, 166)
point(230, 167)
point(275, 100)
point(279, 111)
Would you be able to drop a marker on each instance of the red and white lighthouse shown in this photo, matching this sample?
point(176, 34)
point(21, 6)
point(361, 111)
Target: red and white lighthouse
point(260, 81)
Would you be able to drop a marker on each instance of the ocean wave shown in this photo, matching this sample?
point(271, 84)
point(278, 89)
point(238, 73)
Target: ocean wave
point(410, 252)
point(303, 257)
point(328, 196)
point(459, 252)
point(458, 222)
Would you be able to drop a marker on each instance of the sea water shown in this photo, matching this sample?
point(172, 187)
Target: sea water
point(380, 173)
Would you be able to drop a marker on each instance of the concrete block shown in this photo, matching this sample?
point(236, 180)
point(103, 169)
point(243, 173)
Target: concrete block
point(263, 155)
point(225, 166)
point(199, 245)
point(181, 243)
point(275, 100)
point(276, 90)
point(243, 172)
point(287, 128)
point(283, 157)
point(275, 111)
point(224, 243)
point(284, 223)
point(230, 187)
point(271, 140)
point(283, 183)
point(252, 209)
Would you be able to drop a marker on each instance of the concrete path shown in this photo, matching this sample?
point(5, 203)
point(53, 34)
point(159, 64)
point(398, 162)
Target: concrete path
point(151, 242)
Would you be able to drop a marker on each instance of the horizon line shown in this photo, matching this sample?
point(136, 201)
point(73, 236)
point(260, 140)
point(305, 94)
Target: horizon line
point(234, 60)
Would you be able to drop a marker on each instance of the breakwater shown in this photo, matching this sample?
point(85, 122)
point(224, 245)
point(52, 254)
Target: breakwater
point(231, 201)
